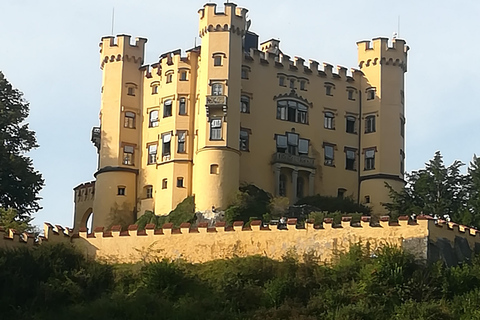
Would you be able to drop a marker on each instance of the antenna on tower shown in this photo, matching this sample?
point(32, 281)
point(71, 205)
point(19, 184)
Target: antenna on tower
point(113, 18)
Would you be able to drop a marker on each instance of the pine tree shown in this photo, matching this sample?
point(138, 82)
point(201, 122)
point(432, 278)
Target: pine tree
point(20, 183)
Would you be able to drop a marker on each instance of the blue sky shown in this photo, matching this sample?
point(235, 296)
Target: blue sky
point(49, 50)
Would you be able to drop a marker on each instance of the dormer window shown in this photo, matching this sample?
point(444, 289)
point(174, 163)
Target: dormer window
point(371, 93)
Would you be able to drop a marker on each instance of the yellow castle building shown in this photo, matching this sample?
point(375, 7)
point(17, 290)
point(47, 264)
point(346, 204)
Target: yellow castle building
point(234, 111)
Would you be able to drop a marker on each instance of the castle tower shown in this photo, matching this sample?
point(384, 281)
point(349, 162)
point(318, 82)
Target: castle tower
point(120, 131)
point(382, 151)
point(217, 158)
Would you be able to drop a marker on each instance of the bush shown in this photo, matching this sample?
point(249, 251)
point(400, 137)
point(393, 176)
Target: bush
point(335, 204)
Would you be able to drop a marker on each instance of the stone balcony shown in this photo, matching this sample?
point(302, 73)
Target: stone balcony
point(216, 100)
point(300, 161)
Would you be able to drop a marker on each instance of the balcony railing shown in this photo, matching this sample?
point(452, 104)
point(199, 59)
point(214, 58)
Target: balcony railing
point(301, 161)
point(216, 100)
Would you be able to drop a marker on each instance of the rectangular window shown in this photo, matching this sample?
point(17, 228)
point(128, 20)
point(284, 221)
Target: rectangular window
point(245, 104)
point(329, 122)
point(154, 89)
point(183, 76)
point(148, 192)
point(153, 119)
point(179, 182)
point(167, 108)
point(166, 140)
point(217, 61)
point(350, 95)
point(182, 106)
point(169, 77)
point(350, 158)
point(350, 124)
point(244, 136)
point(292, 83)
point(303, 147)
point(128, 155)
point(370, 124)
point(281, 81)
point(370, 93)
point(244, 73)
point(329, 155)
point(121, 191)
point(302, 85)
point(181, 141)
point(129, 120)
point(329, 90)
point(217, 89)
point(164, 184)
point(402, 128)
point(402, 162)
point(216, 129)
point(292, 141)
point(214, 169)
point(131, 91)
point(369, 159)
point(152, 154)
point(281, 143)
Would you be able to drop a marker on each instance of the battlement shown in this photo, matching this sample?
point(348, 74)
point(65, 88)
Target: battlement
point(382, 51)
point(232, 19)
point(10, 239)
point(120, 48)
point(84, 191)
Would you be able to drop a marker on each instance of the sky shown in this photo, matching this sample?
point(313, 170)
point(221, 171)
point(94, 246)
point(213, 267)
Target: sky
point(49, 50)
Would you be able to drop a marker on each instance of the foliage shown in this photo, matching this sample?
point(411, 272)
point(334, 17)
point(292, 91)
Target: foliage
point(10, 220)
point(440, 191)
point(249, 202)
point(19, 182)
point(363, 283)
point(184, 212)
point(334, 204)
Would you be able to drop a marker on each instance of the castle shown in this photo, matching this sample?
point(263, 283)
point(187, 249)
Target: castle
point(232, 111)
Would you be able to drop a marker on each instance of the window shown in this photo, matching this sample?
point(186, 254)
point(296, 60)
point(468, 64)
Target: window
point(166, 140)
point(216, 129)
point(121, 191)
point(245, 72)
point(370, 93)
point(214, 169)
point(281, 81)
point(341, 192)
point(329, 155)
point(292, 143)
point(302, 85)
point(329, 89)
point(245, 104)
point(282, 187)
point(154, 89)
point(370, 159)
point(329, 121)
point(350, 158)
point(350, 124)
point(167, 108)
point(183, 75)
point(292, 83)
point(303, 147)
point(148, 192)
point(182, 106)
point(217, 89)
point(131, 91)
point(244, 136)
point(152, 154)
point(350, 94)
point(169, 77)
point(128, 155)
point(217, 61)
point(181, 141)
point(153, 119)
point(402, 162)
point(292, 111)
point(164, 184)
point(180, 182)
point(370, 124)
point(129, 120)
point(281, 143)
point(402, 97)
point(367, 199)
point(402, 127)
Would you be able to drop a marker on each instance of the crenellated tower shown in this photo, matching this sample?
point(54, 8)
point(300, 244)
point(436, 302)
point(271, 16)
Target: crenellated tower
point(382, 152)
point(119, 144)
point(217, 158)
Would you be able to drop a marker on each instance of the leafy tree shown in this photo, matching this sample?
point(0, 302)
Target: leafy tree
point(334, 204)
point(19, 182)
point(435, 190)
point(473, 189)
point(250, 202)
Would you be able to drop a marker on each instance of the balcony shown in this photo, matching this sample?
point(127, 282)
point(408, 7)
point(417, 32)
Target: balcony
point(300, 161)
point(216, 100)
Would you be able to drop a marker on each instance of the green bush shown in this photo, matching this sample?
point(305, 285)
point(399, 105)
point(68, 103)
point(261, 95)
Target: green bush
point(344, 205)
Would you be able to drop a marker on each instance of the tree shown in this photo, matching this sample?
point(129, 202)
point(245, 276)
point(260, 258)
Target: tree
point(19, 182)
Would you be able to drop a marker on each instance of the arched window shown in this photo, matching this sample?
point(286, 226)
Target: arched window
point(293, 111)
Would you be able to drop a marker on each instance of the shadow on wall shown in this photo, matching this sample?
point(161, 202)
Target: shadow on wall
point(121, 215)
point(451, 254)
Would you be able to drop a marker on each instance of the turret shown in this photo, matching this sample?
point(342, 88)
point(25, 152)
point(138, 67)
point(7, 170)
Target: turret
point(217, 159)
point(383, 118)
point(120, 130)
